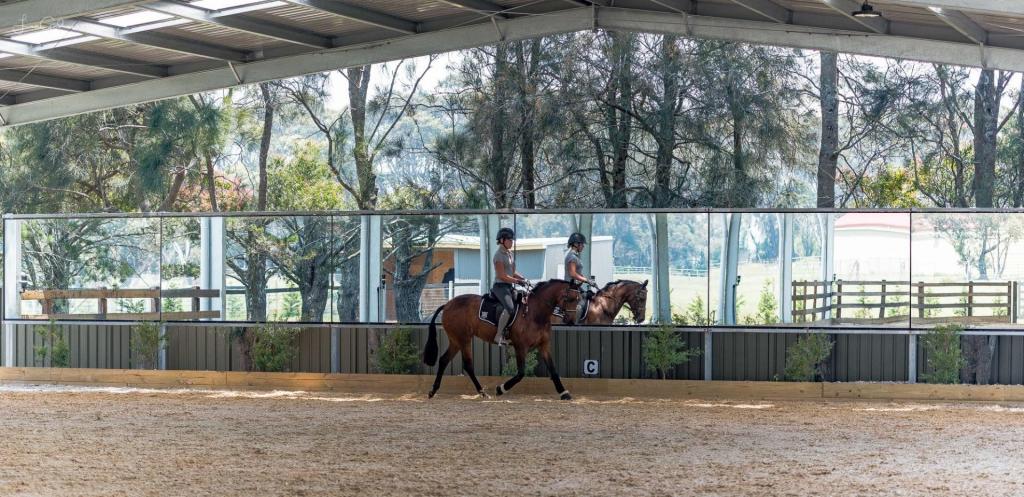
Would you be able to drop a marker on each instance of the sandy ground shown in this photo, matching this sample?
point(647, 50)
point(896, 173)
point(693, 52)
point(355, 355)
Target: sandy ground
point(145, 442)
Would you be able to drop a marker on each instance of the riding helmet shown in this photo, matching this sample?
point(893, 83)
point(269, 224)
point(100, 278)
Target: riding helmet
point(576, 238)
point(506, 233)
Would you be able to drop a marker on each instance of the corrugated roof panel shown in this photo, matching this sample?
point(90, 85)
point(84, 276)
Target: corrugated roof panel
point(309, 19)
point(8, 88)
point(134, 51)
point(222, 36)
point(412, 11)
point(54, 68)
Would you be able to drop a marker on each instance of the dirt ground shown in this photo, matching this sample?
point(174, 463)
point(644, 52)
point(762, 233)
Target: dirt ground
point(61, 441)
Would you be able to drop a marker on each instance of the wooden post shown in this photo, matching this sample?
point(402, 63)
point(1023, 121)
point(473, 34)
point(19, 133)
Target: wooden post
point(839, 299)
point(792, 297)
point(881, 310)
point(47, 307)
point(920, 299)
point(1011, 303)
point(970, 298)
point(156, 300)
point(102, 306)
point(195, 299)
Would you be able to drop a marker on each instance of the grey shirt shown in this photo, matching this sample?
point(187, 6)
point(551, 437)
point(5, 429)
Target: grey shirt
point(573, 257)
point(508, 261)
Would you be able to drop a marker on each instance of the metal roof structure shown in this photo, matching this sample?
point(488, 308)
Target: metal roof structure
point(64, 57)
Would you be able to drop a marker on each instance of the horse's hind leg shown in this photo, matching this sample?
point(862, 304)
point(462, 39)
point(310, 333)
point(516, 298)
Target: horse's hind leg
point(442, 363)
point(467, 366)
point(520, 372)
point(545, 355)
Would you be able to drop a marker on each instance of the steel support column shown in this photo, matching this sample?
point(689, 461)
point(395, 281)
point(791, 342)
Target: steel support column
point(12, 285)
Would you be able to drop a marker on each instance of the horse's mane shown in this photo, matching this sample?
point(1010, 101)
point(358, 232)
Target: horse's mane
point(544, 284)
point(608, 286)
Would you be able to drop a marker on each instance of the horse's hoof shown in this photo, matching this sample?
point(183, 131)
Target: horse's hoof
point(500, 389)
point(483, 394)
point(431, 394)
point(565, 396)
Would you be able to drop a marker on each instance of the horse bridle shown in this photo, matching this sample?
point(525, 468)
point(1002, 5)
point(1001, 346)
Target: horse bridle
point(565, 312)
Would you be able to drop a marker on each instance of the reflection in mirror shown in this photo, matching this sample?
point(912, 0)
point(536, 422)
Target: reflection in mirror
point(621, 251)
point(184, 297)
point(92, 268)
point(420, 256)
point(346, 243)
point(966, 269)
point(688, 269)
point(871, 272)
point(282, 266)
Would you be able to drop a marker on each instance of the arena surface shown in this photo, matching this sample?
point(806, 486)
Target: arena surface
point(92, 441)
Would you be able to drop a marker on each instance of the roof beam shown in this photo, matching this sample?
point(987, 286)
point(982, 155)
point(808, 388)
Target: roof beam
point(768, 9)
point(83, 58)
point(43, 81)
point(484, 7)
point(153, 39)
point(847, 7)
point(960, 22)
point(361, 14)
point(991, 7)
point(249, 25)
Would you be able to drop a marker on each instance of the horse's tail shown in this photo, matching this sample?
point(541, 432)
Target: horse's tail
point(430, 352)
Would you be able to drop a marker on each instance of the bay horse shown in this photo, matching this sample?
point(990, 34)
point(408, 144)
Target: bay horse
point(532, 329)
point(609, 300)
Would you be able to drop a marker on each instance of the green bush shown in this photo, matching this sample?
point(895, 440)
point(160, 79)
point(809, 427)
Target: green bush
point(664, 349)
point(54, 346)
point(804, 358)
point(145, 345)
point(274, 347)
point(944, 357)
point(509, 369)
point(398, 353)
point(696, 314)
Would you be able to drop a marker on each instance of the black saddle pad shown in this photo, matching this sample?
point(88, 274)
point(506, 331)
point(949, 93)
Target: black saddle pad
point(490, 308)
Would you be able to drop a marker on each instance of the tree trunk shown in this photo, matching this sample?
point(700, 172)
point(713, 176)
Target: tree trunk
point(828, 153)
point(358, 87)
point(268, 132)
point(527, 105)
point(499, 160)
point(211, 183)
point(1018, 161)
point(666, 131)
point(172, 194)
point(741, 193)
point(619, 122)
point(986, 116)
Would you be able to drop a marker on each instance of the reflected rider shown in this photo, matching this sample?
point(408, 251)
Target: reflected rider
point(574, 269)
point(505, 276)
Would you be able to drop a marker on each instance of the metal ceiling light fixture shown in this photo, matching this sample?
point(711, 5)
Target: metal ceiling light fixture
point(866, 10)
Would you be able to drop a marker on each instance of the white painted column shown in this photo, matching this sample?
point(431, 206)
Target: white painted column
point(730, 260)
point(211, 263)
point(488, 227)
point(912, 359)
point(12, 285)
point(369, 268)
point(786, 268)
point(660, 263)
point(828, 253)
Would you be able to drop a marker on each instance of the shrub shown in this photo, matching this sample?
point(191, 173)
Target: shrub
point(54, 346)
point(944, 357)
point(664, 349)
point(509, 369)
point(398, 353)
point(804, 358)
point(145, 345)
point(696, 314)
point(274, 347)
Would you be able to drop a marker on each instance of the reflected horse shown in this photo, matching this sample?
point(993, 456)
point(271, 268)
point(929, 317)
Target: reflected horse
point(531, 329)
point(608, 301)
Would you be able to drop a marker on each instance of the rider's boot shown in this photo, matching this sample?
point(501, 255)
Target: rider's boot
point(499, 336)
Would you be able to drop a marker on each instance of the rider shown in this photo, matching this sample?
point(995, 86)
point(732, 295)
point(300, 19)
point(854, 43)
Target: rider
point(574, 268)
point(505, 276)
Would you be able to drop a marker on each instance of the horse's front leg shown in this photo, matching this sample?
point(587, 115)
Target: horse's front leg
point(545, 355)
point(520, 371)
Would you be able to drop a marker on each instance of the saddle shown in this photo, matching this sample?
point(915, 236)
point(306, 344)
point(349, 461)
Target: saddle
point(491, 308)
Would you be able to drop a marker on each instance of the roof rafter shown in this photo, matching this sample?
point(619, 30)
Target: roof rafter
point(768, 9)
point(963, 24)
point(32, 78)
point(361, 14)
point(484, 7)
